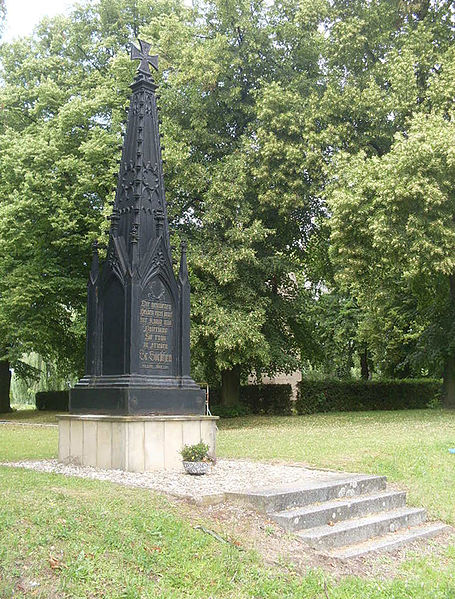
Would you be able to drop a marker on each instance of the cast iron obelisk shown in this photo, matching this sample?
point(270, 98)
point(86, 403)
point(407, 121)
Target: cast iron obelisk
point(138, 311)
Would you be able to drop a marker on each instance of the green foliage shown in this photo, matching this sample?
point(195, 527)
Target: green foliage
point(392, 233)
point(2, 15)
point(63, 95)
point(52, 400)
point(230, 411)
point(195, 453)
point(381, 67)
point(255, 399)
point(336, 319)
point(267, 399)
point(397, 250)
point(33, 374)
point(246, 309)
point(346, 396)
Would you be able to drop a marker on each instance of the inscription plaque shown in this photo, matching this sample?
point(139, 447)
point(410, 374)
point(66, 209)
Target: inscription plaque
point(157, 330)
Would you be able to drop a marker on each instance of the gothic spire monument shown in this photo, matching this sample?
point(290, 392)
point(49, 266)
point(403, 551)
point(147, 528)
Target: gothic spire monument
point(138, 311)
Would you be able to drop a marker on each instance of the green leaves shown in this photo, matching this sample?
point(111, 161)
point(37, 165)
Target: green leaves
point(394, 233)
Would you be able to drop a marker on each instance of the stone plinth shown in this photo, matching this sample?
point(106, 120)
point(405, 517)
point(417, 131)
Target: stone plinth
point(132, 443)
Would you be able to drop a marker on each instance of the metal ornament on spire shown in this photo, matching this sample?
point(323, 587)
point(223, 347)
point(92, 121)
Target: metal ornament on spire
point(144, 56)
point(140, 195)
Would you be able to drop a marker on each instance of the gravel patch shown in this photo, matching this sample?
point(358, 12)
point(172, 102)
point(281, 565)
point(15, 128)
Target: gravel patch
point(226, 476)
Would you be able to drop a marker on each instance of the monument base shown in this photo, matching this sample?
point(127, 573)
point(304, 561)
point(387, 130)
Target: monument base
point(125, 395)
point(132, 443)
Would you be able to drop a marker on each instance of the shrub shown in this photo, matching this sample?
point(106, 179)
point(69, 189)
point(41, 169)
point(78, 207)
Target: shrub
point(195, 453)
point(268, 399)
point(344, 396)
point(255, 399)
point(52, 400)
point(230, 411)
point(251, 396)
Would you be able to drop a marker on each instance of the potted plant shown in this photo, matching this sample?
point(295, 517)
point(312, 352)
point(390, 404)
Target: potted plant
point(196, 459)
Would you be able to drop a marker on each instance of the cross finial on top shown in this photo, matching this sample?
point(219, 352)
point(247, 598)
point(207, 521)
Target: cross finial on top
point(144, 56)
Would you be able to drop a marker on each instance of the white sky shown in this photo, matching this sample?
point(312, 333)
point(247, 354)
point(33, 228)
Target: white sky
point(23, 15)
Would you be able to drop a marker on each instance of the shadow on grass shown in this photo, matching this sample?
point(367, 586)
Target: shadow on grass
point(32, 416)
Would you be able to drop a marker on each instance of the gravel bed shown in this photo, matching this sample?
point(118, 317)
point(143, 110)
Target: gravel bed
point(225, 476)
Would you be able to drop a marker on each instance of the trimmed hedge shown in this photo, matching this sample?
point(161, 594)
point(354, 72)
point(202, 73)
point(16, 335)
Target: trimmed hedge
point(229, 411)
point(347, 396)
point(268, 399)
point(52, 400)
point(255, 399)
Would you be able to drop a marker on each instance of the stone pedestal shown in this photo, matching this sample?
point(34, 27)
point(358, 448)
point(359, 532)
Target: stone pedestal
point(132, 443)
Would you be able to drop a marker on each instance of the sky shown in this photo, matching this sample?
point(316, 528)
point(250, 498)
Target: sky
point(23, 15)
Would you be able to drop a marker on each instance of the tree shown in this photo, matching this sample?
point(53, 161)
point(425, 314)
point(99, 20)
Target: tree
point(36, 375)
point(381, 62)
point(375, 61)
point(394, 238)
point(243, 219)
point(259, 100)
point(5, 373)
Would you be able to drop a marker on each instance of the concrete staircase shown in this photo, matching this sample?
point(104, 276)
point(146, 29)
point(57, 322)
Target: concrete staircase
point(345, 518)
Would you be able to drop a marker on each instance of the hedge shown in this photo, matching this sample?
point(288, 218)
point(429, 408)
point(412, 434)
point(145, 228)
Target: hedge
point(347, 396)
point(255, 399)
point(52, 400)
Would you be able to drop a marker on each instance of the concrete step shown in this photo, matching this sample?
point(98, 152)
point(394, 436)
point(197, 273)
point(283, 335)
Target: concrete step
point(390, 541)
point(279, 499)
point(357, 530)
point(321, 514)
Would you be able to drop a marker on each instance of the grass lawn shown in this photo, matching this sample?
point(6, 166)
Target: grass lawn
point(79, 538)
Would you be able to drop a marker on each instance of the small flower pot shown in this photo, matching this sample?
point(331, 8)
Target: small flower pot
point(196, 468)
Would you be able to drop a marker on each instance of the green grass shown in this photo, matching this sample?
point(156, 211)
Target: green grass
point(27, 443)
point(108, 541)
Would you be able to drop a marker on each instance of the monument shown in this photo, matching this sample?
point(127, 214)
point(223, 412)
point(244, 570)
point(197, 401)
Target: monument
point(137, 383)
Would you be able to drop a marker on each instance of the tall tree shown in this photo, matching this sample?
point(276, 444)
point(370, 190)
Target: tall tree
point(245, 221)
point(5, 372)
point(382, 59)
point(259, 99)
point(394, 238)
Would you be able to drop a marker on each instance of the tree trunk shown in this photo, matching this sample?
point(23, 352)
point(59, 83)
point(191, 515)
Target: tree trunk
point(364, 369)
point(230, 386)
point(448, 398)
point(449, 383)
point(5, 384)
